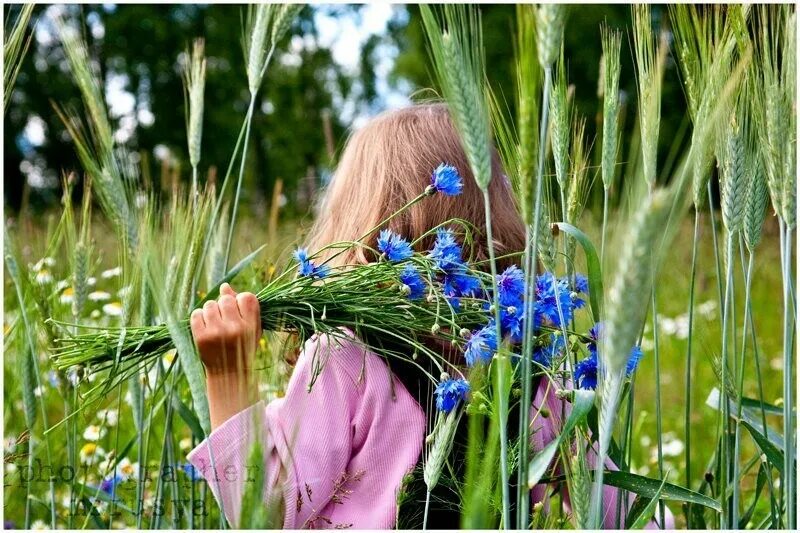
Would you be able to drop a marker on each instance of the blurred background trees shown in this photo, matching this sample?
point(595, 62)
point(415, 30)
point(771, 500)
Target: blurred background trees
point(309, 101)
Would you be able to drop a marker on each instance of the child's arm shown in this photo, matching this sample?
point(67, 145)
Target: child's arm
point(544, 430)
point(226, 333)
point(333, 455)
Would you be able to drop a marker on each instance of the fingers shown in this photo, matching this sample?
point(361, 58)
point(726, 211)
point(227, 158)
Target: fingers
point(211, 315)
point(197, 322)
point(226, 288)
point(248, 306)
point(228, 309)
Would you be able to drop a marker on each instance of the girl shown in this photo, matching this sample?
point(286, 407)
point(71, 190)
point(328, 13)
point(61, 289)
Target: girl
point(343, 453)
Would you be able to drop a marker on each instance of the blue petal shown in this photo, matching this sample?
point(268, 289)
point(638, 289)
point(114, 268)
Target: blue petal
point(446, 180)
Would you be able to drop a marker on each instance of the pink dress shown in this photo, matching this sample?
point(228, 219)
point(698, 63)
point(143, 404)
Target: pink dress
point(344, 447)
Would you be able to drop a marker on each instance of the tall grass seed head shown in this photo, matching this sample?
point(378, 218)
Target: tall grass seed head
point(550, 22)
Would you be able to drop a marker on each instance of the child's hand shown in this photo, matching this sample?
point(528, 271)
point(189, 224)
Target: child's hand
point(226, 331)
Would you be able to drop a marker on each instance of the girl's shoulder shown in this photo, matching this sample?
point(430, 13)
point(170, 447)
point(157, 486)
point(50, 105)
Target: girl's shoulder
point(345, 353)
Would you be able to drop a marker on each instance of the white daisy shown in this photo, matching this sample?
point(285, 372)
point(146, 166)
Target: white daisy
point(108, 417)
point(67, 296)
point(185, 444)
point(11, 468)
point(43, 277)
point(99, 296)
point(127, 470)
point(44, 262)
point(91, 453)
point(113, 309)
point(61, 285)
point(94, 432)
point(111, 273)
point(707, 308)
point(38, 391)
point(92, 281)
point(39, 524)
point(95, 314)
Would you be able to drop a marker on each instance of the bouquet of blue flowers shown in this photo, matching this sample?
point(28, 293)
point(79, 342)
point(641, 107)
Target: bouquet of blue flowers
point(406, 295)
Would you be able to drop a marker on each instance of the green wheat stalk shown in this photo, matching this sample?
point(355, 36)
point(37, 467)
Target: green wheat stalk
point(194, 83)
point(14, 49)
point(611, 42)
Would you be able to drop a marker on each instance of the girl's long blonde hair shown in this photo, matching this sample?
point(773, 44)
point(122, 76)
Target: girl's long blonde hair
point(389, 162)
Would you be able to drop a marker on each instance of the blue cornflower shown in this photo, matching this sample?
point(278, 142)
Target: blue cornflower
point(481, 345)
point(511, 322)
point(544, 354)
point(459, 282)
point(446, 252)
point(511, 287)
point(393, 246)
point(191, 472)
point(596, 332)
point(581, 284)
point(109, 484)
point(307, 268)
point(586, 371)
point(446, 180)
point(449, 392)
point(633, 360)
point(549, 296)
point(301, 255)
point(595, 337)
point(411, 278)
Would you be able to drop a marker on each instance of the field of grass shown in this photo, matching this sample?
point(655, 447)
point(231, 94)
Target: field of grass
point(105, 394)
point(672, 297)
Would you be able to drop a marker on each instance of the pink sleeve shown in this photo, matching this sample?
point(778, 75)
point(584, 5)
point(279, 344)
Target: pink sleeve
point(544, 430)
point(340, 445)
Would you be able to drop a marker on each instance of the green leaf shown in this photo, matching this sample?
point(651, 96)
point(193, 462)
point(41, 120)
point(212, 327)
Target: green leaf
point(99, 494)
point(93, 514)
point(594, 271)
point(751, 403)
point(641, 518)
point(772, 437)
point(648, 487)
point(760, 482)
point(26, 363)
point(189, 417)
point(766, 447)
point(581, 405)
point(232, 273)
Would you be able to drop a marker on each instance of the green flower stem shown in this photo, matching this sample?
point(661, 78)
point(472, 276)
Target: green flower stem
point(531, 241)
point(217, 208)
point(789, 488)
point(688, 391)
point(248, 121)
point(725, 410)
point(605, 224)
point(502, 378)
point(756, 358)
point(717, 262)
point(659, 431)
